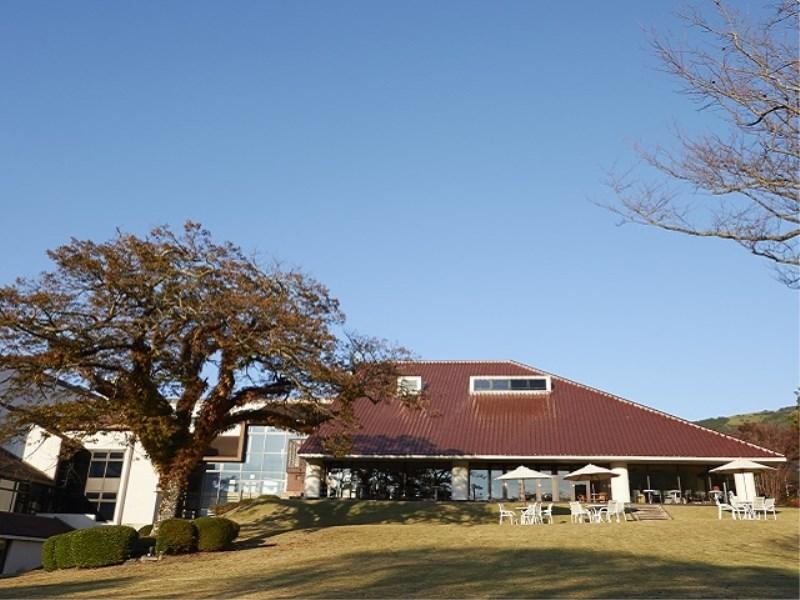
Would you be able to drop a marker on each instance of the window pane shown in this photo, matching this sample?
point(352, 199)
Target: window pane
point(97, 469)
point(109, 495)
point(500, 384)
point(116, 455)
point(519, 384)
point(482, 384)
point(92, 495)
point(114, 469)
point(99, 455)
point(105, 511)
point(538, 384)
point(255, 443)
point(275, 443)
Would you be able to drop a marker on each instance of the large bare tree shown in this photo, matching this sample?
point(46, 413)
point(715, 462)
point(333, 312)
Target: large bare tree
point(740, 181)
point(176, 339)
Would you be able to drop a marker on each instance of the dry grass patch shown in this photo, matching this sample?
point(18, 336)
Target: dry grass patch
point(378, 549)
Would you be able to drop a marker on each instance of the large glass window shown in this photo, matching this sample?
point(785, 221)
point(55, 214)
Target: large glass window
point(106, 464)
point(103, 504)
point(510, 384)
point(479, 484)
point(261, 472)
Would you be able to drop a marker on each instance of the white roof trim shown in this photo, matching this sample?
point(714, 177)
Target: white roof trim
point(553, 458)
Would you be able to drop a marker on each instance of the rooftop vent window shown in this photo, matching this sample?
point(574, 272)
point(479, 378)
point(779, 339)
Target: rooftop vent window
point(409, 384)
point(509, 385)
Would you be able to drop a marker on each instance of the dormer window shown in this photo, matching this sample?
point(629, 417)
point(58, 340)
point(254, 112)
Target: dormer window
point(409, 384)
point(509, 385)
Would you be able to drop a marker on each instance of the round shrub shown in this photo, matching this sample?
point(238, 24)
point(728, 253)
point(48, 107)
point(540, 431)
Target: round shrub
point(49, 554)
point(145, 531)
point(215, 533)
point(176, 536)
point(101, 546)
point(63, 550)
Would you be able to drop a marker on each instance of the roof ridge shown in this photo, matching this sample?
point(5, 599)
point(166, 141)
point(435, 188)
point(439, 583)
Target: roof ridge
point(644, 407)
point(458, 361)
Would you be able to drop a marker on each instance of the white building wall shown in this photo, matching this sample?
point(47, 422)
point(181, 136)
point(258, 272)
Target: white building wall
point(41, 451)
point(137, 495)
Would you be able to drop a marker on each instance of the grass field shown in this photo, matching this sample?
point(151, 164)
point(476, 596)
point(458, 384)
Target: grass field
point(340, 549)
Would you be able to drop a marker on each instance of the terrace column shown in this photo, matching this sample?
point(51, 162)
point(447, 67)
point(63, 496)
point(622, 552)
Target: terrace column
point(460, 480)
point(620, 488)
point(745, 485)
point(313, 478)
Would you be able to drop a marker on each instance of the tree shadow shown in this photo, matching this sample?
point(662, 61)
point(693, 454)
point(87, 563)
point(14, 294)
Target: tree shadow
point(100, 588)
point(529, 572)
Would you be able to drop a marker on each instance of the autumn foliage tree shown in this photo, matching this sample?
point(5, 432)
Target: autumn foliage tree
point(783, 481)
point(176, 339)
point(740, 181)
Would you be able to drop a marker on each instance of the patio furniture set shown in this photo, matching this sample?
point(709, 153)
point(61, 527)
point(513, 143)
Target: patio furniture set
point(532, 514)
point(746, 509)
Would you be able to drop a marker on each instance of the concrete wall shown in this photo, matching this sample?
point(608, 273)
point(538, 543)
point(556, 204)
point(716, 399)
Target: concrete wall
point(42, 451)
point(22, 555)
point(620, 487)
point(460, 480)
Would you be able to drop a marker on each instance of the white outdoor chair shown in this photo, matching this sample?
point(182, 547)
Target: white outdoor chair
point(769, 506)
point(507, 514)
point(742, 510)
point(546, 513)
point(529, 515)
point(721, 506)
point(577, 513)
point(615, 508)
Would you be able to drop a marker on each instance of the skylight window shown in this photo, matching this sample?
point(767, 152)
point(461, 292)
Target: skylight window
point(509, 385)
point(409, 384)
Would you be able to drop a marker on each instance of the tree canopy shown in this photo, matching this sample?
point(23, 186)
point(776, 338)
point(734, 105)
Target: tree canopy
point(176, 339)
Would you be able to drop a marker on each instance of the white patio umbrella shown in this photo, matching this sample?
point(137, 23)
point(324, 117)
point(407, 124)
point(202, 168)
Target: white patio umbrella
point(740, 465)
point(591, 473)
point(522, 473)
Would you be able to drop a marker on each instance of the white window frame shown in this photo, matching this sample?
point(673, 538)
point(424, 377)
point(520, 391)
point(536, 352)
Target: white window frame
point(547, 390)
point(415, 379)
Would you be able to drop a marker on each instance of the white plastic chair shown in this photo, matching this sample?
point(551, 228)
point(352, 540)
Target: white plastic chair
point(721, 506)
point(769, 505)
point(546, 513)
point(507, 514)
point(615, 508)
point(528, 516)
point(577, 513)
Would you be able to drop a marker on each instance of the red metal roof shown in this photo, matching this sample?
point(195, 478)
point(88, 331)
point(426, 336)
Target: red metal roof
point(573, 420)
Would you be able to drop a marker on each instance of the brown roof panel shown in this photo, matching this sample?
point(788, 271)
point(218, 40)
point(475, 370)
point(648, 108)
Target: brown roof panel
point(571, 420)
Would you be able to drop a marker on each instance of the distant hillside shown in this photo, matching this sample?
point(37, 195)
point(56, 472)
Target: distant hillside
point(729, 424)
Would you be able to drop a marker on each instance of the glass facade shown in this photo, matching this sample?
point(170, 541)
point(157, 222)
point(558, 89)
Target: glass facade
point(396, 480)
point(484, 485)
point(262, 472)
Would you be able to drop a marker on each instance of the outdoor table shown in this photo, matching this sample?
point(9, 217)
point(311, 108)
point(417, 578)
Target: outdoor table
point(650, 494)
point(595, 509)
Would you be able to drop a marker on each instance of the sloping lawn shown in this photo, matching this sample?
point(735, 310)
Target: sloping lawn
point(386, 549)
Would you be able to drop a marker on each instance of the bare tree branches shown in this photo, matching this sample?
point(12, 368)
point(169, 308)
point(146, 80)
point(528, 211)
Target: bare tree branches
point(743, 185)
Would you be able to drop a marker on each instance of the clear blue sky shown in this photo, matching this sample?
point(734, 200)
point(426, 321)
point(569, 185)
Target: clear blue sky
point(434, 163)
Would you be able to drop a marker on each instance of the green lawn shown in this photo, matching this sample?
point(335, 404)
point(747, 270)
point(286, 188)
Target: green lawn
point(385, 549)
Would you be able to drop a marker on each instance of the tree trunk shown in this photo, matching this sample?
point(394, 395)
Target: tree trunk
point(169, 495)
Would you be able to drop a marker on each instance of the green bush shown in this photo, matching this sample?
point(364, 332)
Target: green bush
point(215, 533)
point(63, 550)
point(145, 531)
point(49, 553)
point(176, 536)
point(102, 546)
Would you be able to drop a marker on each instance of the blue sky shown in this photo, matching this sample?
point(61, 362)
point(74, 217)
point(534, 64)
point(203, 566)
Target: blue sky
point(435, 164)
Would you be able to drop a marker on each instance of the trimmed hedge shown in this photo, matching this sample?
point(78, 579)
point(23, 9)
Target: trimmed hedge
point(102, 546)
point(63, 551)
point(49, 554)
point(176, 536)
point(215, 533)
point(145, 531)
point(144, 544)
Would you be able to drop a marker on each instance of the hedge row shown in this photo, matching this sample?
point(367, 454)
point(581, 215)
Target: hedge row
point(87, 548)
point(114, 544)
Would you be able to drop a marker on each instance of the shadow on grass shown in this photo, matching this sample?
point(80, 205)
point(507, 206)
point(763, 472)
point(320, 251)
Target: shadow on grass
point(519, 573)
point(100, 588)
point(267, 516)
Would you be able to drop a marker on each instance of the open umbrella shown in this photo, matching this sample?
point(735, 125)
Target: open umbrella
point(740, 465)
point(591, 473)
point(522, 473)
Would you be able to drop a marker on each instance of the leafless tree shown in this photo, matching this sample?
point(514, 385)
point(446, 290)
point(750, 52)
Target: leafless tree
point(740, 182)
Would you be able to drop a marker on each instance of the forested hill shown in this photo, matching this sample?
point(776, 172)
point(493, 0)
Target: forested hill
point(780, 417)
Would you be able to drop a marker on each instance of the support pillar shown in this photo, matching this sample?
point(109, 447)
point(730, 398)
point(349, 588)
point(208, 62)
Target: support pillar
point(460, 480)
point(620, 487)
point(745, 486)
point(313, 478)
